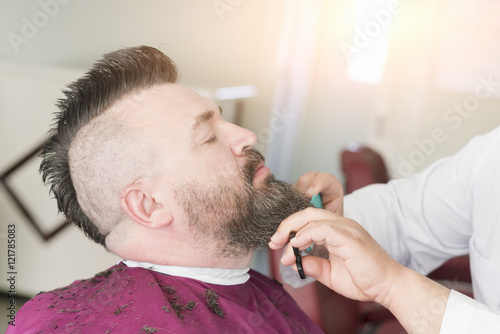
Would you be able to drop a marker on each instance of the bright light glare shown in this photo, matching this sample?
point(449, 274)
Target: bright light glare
point(235, 92)
point(370, 42)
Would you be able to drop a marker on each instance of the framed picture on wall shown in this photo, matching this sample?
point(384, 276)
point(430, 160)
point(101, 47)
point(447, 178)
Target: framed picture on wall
point(25, 190)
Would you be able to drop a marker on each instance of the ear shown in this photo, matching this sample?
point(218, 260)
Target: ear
point(143, 208)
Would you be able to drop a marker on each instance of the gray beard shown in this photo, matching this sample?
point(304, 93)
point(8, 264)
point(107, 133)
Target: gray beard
point(239, 219)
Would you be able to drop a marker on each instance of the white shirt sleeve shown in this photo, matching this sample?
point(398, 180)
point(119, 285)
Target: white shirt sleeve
point(450, 209)
point(465, 315)
point(421, 221)
point(424, 220)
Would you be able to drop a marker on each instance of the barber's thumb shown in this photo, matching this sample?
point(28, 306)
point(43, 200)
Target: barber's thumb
point(317, 268)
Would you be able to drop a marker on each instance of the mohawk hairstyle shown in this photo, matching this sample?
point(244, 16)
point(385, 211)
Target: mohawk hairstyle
point(113, 77)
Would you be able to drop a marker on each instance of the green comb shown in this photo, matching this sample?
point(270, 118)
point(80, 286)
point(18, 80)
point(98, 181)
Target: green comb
point(317, 203)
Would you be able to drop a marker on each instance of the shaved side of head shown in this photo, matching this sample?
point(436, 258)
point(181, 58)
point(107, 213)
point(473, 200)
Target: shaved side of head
point(100, 141)
point(107, 155)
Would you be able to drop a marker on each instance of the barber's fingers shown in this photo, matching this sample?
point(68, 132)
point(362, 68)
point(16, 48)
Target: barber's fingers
point(330, 230)
point(316, 182)
point(309, 184)
point(357, 267)
point(325, 184)
point(337, 234)
point(296, 222)
point(332, 274)
point(318, 268)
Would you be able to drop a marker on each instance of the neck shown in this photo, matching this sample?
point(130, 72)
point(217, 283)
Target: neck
point(197, 259)
point(160, 254)
point(186, 260)
point(162, 248)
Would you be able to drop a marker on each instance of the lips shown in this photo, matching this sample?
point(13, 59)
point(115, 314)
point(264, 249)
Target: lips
point(259, 167)
point(261, 173)
point(254, 167)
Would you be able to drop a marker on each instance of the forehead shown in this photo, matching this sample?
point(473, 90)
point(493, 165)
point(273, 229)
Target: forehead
point(175, 99)
point(167, 104)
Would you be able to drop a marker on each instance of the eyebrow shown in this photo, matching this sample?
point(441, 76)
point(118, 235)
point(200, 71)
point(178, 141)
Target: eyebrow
point(203, 118)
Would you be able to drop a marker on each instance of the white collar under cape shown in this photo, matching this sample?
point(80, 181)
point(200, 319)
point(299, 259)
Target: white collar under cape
point(208, 275)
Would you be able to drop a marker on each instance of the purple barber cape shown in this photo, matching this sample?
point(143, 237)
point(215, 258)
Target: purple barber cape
point(137, 300)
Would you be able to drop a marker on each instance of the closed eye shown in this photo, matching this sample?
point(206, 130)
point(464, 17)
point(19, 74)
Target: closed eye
point(211, 140)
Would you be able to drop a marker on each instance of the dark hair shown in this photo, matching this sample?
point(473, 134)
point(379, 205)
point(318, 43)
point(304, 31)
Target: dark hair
point(116, 75)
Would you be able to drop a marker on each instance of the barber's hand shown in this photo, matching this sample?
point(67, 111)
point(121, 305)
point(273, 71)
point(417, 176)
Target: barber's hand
point(357, 268)
point(328, 185)
point(360, 269)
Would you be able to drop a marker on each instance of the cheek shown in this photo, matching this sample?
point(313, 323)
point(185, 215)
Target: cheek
point(231, 168)
point(222, 164)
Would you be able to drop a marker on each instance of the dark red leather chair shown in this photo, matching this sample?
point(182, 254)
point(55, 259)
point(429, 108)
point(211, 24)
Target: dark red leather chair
point(362, 166)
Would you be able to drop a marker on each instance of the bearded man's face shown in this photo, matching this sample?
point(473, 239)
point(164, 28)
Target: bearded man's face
point(239, 219)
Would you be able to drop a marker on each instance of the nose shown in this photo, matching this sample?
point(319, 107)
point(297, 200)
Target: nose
point(241, 139)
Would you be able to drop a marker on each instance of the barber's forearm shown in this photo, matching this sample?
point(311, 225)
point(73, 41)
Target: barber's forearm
point(418, 303)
